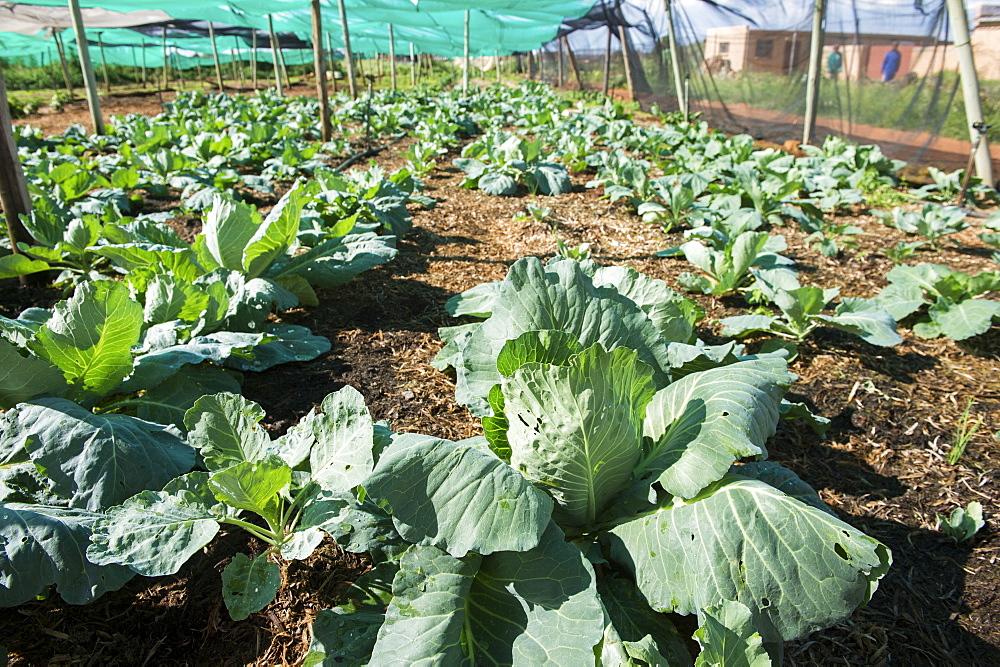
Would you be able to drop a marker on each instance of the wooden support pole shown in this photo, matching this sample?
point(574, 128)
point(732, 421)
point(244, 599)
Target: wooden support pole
point(607, 64)
point(253, 58)
point(413, 66)
point(531, 64)
point(392, 60)
point(970, 87)
point(284, 70)
point(319, 61)
point(675, 60)
point(135, 63)
point(496, 64)
point(560, 81)
point(215, 55)
point(572, 63)
point(333, 60)
point(14, 198)
point(352, 84)
point(628, 65)
point(813, 78)
point(465, 60)
point(275, 48)
point(65, 65)
point(89, 81)
point(144, 63)
point(237, 61)
point(163, 42)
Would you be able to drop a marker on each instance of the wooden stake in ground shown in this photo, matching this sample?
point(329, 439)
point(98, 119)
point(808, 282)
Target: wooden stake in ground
point(413, 66)
point(605, 86)
point(496, 64)
point(628, 65)
point(275, 48)
point(815, 61)
point(352, 85)
point(572, 63)
point(319, 62)
point(333, 60)
point(64, 64)
point(465, 61)
point(560, 82)
point(144, 63)
point(253, 57)
point(215, 55)
point(135, 63)
point(392, 60)
point(13, 189)
point(237, 61)
point(93, 100)
point(163, 40)
point(531, 64)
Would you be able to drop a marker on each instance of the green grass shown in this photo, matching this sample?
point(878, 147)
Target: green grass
point(901, 105)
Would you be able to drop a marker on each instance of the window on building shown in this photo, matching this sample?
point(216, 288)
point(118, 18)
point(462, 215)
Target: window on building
point(723, 47)
point(764, 48)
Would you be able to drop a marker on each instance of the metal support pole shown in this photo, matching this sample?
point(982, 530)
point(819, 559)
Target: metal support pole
point(815, 61)
point(348, 58)
point(607, 64)
point(65, 66)
point(413, 66)
point(970, 87)
point(392, 60)
point(93, 100)
point(675, 60)
point(253, 58)
point(274, 55)
point(628, 65)
point(319, 61)
point(215, 55)
point(466, 61)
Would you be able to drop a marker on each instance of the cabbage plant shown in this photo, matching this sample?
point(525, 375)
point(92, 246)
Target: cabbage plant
point(599, 510)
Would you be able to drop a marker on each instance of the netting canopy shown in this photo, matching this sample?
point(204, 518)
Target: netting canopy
point(889, 68)
point(434, 27)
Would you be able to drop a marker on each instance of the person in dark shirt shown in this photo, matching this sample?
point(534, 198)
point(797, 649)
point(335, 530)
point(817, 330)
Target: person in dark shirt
point(834, 62)
point(890, 64)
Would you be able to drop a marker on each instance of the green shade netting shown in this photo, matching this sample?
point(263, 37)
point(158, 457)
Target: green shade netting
point(432, 26)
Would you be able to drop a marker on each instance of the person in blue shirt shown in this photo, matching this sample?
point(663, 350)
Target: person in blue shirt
point(834, 62)
point(890, 64)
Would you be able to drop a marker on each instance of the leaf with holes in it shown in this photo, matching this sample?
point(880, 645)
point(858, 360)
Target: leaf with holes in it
point(795, 567)
point(249, 585)
point(96, 461)
point(225, 428)
point(41, 546)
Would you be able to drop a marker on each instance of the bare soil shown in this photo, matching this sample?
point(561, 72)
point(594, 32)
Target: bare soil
point(882, 466)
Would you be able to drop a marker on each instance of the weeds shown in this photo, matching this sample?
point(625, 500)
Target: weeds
point(965, 430)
